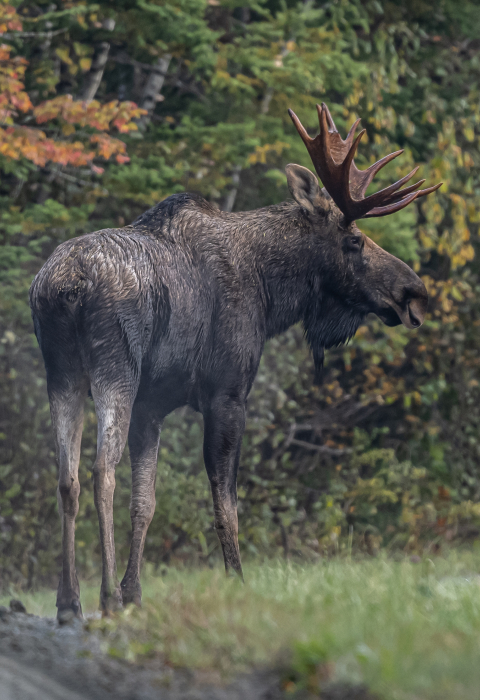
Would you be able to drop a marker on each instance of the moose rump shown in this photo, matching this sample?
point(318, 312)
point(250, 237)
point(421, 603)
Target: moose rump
point(101, 312)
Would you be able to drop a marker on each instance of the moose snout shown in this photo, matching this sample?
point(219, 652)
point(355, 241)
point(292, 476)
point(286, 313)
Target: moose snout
point(413, 307)
point(402, 296)
point(417, 309)
point(404, 301)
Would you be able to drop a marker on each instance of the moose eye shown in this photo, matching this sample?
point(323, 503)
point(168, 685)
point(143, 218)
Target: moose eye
point(354, 242)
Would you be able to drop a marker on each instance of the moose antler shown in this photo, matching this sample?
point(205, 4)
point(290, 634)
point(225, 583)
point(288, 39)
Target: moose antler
point(345, 183)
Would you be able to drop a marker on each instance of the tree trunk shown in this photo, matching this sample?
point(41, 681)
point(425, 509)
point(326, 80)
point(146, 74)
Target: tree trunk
point(267, 98)
point(99, 61)
point(232, 195)
point(152, 89)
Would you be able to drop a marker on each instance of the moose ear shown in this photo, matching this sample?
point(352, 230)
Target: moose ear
point(304, 188)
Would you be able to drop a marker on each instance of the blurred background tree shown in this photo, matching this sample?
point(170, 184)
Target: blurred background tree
point(109, 107)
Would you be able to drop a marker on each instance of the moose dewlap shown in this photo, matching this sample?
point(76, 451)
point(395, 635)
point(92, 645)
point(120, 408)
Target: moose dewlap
point(175, 309)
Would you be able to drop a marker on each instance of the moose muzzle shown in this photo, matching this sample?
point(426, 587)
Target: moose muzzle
point(406, 304)
point(413, 315)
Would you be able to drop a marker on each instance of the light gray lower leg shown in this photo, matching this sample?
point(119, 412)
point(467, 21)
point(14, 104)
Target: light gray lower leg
point(226, 526)
point(67, 419)
point(113, 419)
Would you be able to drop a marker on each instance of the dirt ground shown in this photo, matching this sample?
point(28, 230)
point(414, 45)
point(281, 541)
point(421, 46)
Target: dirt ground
point(42, 660)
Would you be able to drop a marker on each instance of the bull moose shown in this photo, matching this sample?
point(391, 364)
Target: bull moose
point(175, 309)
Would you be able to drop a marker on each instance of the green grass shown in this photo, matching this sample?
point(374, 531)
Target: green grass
point(410, 631)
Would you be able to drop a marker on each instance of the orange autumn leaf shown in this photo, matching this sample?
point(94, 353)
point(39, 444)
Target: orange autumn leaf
point(9, 20)
point(108, 146)
point(18, 141)
point(101, 117)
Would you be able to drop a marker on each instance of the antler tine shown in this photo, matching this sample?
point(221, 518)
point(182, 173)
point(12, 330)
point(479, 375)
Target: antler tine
point(392, 208)
point(429, 190)
point(384, 196)
point(300, 128)
point(351, 180)
point(361, 179)
point(331, 123)
point(333, 159)
point(348, 162)
point(332, 156)
point(407, 190)
point(326, 123)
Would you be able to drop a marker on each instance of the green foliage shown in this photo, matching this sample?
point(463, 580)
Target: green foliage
point(386, 451)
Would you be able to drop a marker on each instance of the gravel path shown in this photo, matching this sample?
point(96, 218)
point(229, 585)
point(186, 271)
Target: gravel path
point(42, 660)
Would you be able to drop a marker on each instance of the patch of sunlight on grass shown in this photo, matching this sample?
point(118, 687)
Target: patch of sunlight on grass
point(409, 631)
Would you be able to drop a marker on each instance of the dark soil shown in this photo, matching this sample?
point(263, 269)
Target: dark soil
point(42, 660)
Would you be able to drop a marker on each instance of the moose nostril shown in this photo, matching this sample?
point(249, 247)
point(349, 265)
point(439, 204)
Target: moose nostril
point(414, 320)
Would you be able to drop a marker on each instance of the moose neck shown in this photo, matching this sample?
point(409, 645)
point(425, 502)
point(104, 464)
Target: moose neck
point(279, 240)
point(294, 262)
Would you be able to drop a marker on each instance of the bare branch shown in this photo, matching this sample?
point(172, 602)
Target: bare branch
point(335, 452)
point(126, 60)
point(33, 35)
point(61, 175)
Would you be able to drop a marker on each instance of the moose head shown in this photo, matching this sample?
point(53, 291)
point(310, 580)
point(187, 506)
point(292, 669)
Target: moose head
point(358, 276)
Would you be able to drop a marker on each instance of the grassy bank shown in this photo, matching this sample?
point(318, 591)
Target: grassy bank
point(409, 630)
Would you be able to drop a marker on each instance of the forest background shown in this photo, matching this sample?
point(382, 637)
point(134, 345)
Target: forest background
point(108, 107)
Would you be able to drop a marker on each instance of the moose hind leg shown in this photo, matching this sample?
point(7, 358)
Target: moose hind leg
point(67, 419)
point(224, 427)
point(113, 412)
point(143, 442)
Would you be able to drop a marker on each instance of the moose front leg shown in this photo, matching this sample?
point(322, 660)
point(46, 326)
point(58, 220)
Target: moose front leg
point(224, 426)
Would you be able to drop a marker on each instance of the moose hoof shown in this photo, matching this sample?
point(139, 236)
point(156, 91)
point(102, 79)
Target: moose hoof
point(134, 597)
point(70, 613)
point(132, 594)
point(111, 603)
